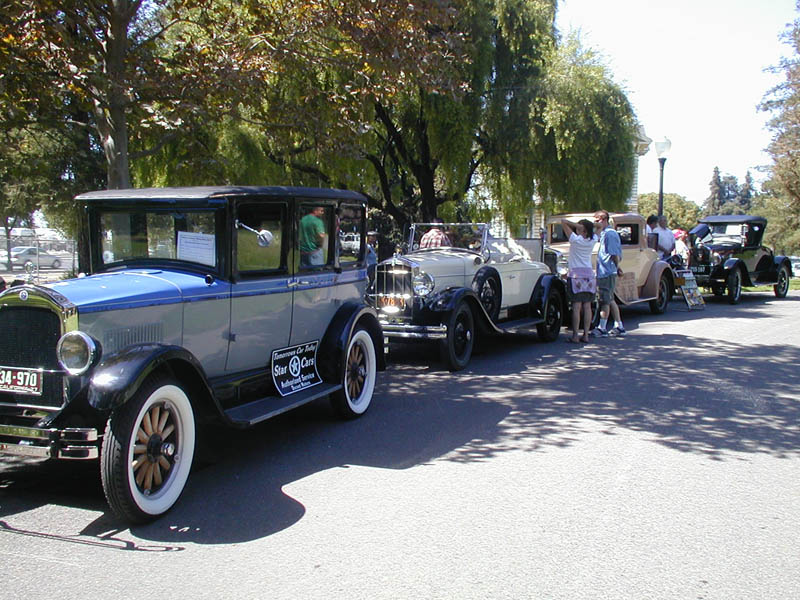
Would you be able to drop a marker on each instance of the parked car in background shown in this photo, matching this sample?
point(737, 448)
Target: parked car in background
point(456, 280)
point(795, 264)
point(727, 254)
point(646, 278)
point(198, 307)
point(23, 256)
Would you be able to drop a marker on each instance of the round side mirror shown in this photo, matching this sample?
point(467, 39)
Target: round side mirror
point(264, 238)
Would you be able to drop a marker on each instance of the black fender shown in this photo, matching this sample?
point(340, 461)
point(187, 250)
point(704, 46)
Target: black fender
point(441, 304)
point(779, 261)
point(737, 263)
point(119, 376)
point(334, 343)
point(446, 300)
point(486, 269)
point(485, 272)
point(541, 292)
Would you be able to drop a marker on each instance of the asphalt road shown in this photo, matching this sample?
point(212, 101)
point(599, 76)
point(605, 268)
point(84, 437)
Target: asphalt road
point(662, 465)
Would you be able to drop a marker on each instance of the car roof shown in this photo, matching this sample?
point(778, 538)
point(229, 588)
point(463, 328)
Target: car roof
point(614, 216)
point(209, 192)
point(720, 219)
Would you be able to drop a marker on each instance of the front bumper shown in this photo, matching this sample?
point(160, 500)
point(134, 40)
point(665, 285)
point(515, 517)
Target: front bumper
point(413, 332)
point(71, 443)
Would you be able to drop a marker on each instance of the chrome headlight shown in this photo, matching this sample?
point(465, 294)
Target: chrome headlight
point(422, 283)
point(715, 258)
point(76, 352)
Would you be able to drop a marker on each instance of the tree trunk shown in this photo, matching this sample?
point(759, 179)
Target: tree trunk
point(111, 118)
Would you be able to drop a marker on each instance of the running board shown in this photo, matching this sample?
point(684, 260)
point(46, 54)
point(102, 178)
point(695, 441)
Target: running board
point(271, 406)
point(636, 301)
point(519, 326)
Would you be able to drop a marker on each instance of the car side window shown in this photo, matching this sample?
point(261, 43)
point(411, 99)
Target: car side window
point(314, 227)
point(351, 219)
point(628, 234)
point(259, 238)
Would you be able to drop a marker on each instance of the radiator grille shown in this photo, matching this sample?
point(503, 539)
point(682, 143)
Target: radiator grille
point(393, 289)
point(28, 338)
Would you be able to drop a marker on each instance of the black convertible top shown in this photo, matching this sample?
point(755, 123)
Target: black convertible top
point(720, 219)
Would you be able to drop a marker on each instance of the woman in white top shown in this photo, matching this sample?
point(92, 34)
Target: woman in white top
point(581, 283)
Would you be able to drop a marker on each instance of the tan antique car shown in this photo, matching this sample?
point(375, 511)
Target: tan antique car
point(645, 278)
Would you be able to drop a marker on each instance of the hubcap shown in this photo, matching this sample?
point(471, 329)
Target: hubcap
point(488, 296)
point(462, 337)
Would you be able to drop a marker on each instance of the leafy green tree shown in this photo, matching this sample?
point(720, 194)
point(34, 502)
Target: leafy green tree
point(783, 102)
point(783, 229)
point(144, 73)
point(747, 192)
point(730, 195)
point(519, 115)
point(714, 200)
point(24, 172)
point(680, 212)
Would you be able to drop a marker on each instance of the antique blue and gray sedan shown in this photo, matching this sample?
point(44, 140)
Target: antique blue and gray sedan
point(232, 303)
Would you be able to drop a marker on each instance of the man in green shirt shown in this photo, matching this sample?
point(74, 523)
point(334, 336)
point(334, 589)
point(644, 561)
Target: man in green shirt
point(312, 238)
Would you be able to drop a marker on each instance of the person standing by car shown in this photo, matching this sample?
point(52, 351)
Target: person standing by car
point(666, 239)
point(581, 283)
point(609, 256)
point(681, 248)
point(312, 238)
point(652, 238)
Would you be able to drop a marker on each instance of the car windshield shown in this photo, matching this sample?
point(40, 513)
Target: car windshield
point(727, 232)
point(185, 235)
point(465, 236)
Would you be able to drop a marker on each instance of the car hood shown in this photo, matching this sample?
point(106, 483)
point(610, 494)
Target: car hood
point(135, 288)
point(443, 261)
point(723, 247)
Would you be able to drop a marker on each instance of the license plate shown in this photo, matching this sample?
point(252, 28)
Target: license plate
point(393, 302)
point(699, 268)
point(21, 381)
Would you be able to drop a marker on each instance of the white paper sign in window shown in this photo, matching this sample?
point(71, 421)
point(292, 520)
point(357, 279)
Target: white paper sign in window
point(197, 247)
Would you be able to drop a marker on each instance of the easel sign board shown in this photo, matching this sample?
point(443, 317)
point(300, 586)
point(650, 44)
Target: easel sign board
point(691, 293)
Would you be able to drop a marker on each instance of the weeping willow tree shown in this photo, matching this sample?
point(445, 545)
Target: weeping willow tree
point(486, 111)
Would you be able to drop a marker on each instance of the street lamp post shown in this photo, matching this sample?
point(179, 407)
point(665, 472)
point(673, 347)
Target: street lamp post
point(662, 151)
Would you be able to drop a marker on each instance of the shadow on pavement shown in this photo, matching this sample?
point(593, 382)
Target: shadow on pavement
point(716, 399)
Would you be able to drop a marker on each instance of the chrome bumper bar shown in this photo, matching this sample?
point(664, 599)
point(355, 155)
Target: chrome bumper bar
point(71, 443)
point(418, 332)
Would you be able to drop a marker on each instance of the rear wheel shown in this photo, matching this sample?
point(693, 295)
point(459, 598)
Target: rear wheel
point(782, 286)
point(549, 329)
point(734, 286)
point(148, 449)
point(358, 376)
point(456, 349)
point(56, 264)
point(659, 305)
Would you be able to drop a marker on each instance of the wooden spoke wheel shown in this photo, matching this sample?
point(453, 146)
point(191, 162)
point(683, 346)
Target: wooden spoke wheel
point(358, 376)
point(148, 450)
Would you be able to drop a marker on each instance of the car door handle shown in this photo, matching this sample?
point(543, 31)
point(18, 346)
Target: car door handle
point(295, 282)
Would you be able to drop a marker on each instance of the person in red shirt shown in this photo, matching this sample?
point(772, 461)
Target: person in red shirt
point(434, 238)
